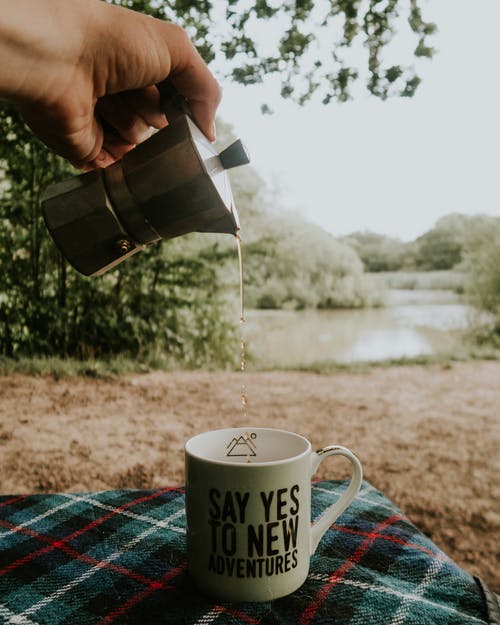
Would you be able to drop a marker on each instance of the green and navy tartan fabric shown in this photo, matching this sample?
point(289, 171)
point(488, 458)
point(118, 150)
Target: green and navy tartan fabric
point(119, 557)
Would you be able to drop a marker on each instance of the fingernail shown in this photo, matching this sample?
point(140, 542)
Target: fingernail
point(161, 122)
point(145, 134)
point(214, 133)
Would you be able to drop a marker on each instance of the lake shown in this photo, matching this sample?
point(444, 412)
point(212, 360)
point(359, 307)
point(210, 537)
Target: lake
point(413, 323)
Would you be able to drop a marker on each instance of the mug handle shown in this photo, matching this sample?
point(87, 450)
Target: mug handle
point(332, 513)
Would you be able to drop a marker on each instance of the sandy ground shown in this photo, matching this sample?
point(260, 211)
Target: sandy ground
point(427, 437)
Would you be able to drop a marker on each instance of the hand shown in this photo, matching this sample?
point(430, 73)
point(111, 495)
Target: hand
point(69, 65)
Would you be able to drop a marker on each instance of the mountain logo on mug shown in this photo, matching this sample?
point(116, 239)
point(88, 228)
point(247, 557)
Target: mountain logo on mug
point(242, 446)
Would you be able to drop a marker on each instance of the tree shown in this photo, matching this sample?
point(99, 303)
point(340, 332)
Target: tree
point(27, 168)
point(293, 264)
point(288, 263)
point(380, 252)
point(438, 249)
point(442, 247)
point(305, 44)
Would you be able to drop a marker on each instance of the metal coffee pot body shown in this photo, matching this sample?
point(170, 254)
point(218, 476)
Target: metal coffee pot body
point(173, 183)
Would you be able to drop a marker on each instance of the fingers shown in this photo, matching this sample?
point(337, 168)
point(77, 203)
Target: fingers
point(112, 150)
point(133, 113)
point(143, 51)
point(146, 103)
point(89, 147)
point(128, 118)
point(123, 119)
point(192, 78)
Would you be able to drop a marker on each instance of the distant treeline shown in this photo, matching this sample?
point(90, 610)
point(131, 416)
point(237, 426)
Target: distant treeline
point(444, 246)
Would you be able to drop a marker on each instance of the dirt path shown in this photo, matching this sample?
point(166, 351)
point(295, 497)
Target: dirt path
point(427, 437)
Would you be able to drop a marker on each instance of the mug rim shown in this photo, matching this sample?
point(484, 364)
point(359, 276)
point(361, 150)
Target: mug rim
point(244, 463)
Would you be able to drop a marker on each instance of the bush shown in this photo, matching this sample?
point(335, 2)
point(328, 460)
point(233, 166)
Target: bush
point(165, 301)
point(482, 263)
point(380, 252)
point(422, 280)
point(149, 305)
point(296, 265)
point(438, 249)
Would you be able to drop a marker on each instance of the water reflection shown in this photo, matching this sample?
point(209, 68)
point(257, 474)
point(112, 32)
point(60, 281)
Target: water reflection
point(388, 343)
point(415, 323)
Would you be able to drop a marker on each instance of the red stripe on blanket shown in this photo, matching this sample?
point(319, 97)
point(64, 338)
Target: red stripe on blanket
point(242, 616)
point(309, 612)
point(58, 543)
point(140, 596)
point(393, 539)
point(7, 502)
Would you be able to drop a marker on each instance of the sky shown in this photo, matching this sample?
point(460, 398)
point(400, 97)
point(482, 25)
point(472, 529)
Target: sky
point(392, 167)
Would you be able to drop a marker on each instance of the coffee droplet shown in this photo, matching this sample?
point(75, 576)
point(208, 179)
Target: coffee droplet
point(240, 263)
point(243, 345)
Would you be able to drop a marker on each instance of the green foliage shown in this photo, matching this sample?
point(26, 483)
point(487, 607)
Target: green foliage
point(305, 58)
point(443, 246)
point(58, 367)
point(288, 263)
point(482, 263)
point(380, 252)
point(422, 280)
point(164, 301)
point(293, 264)
point(439, 248)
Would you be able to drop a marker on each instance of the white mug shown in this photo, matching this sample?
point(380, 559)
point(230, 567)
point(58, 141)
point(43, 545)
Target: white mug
point(248, 510)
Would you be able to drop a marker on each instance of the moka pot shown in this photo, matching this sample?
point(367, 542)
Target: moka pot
point(173, 183)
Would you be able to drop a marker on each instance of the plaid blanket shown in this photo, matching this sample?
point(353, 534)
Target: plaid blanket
point(120, 557)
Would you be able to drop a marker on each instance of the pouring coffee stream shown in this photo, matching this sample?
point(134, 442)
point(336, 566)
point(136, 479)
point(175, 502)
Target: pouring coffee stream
point(244, 397)
point(173, 183)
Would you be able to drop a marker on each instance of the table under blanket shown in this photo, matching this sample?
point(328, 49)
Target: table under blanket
point(120, 557)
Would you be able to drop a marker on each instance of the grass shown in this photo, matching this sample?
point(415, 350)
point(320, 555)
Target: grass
point(62, 367)
point(470, 352)
point(115, 367)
